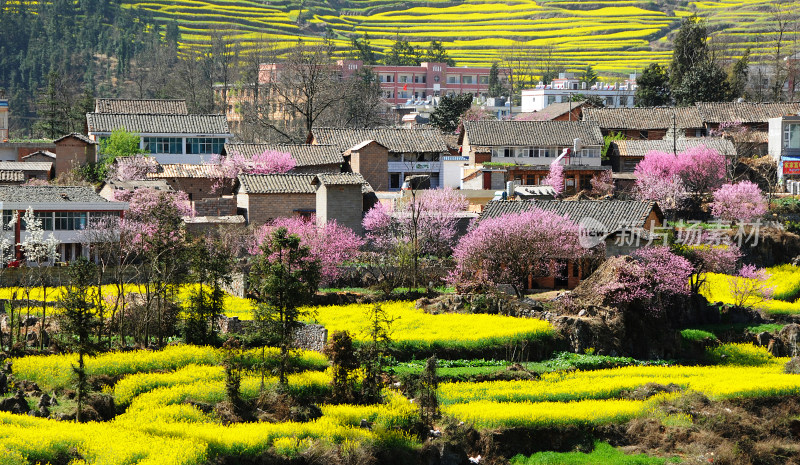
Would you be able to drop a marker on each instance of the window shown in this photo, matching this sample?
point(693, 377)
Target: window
point(551, 99)
point(46, 218)
point(403, 79)
point(8, 215)
point(544, 152)
point(452, 79)
point(467, 79)
point(163, 144)
point(204, 145)
point(483, 79)
point(70, 221)
point(791, 136)
point(643, 135)
point(419, 79)
point(394, 181)
point(609, 101)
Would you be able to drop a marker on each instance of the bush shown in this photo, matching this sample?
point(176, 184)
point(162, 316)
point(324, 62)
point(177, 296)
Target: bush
point(739, 354)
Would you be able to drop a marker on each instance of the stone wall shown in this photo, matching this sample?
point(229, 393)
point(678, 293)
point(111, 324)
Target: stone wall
point(306, 337)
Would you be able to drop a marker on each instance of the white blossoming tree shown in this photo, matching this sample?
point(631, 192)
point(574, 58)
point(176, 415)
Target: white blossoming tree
point(39, 249)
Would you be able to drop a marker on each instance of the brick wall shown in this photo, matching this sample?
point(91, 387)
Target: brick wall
point(372, 161)
point(260, 208)
point(341, 203)
point(72, 153)
point(215, 206)
point(315, 169)
point(198, 188)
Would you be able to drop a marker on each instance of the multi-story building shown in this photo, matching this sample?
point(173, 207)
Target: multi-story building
point(567, 85)
point(403, 84)
point(167, 131)
point(784, 145)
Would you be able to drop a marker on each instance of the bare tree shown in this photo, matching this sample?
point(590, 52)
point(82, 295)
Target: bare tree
point(253, 91)
point(225, 58)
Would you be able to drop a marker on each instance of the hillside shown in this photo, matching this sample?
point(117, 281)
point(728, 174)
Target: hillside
point(614, 36)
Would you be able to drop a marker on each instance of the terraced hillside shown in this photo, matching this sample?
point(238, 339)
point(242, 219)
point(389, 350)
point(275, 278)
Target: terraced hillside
point(613, 36)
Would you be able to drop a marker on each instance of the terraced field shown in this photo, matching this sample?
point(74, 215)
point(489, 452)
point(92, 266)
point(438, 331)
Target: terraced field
point(614, 37)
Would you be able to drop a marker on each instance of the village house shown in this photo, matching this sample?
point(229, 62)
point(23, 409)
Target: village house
point(566, 86)
point(210, 194)
point(563, 111)
point(624, 155)
point(522, 151)
point(784, 148)
point(112, 188)
point(167, 132)
point(746, 123)
point(264, 197)
point(42, 170)
point(309, 158)
point(65, 211)
point(416, 151)
point(622, 225)
point(647, 123)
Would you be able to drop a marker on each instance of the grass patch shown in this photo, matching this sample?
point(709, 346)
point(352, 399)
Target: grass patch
point(603, 454)
point(697, 335)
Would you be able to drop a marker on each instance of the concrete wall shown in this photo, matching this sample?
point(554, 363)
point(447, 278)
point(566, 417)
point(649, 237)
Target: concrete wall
point(260, 208)
point(341, 203)
point(372, 162)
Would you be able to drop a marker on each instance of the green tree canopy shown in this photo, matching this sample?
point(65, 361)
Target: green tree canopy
point(653, 88)
point(402, 54)
point(448, 114)
point(689, 47)
point(436, 53)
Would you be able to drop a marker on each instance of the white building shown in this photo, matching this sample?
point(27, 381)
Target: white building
point(167, 131)
point(65, 211)
point(567, 85)
point(784, 145)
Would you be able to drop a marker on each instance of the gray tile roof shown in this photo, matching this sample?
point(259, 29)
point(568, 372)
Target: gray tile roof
point(158, 124)
point(725, 112)
point(531, 133)
point(340, 179)
point(554, 110)
point(644, 118)
point(276, 183)
point(639, 148)
point(303, 154)
point(26, 165)
point(49, 194)
point(143, 106)
point(185, 170)
point(78, 136)
point(45, 153)
point(611, 214)
point(397, 140)
point(12, 176)
point(155, 184)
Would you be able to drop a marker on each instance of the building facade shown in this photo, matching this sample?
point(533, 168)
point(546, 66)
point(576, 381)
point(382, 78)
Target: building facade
point(567, 85)
point(3, 120)
point(784, 145)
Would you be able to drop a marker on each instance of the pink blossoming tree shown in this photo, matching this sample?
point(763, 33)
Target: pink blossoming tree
point(651, 273)
point(751, 286)
point(555, 178)
point(133, 168)
point(508, 249)
point(267, 162)
point(667, 178)
point(333, 245)
point(742, 202)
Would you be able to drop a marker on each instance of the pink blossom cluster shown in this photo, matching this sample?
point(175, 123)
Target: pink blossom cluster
point(555, 178)
point(433, 211)
point(134, 168)
point(651, 272)
point(151, 219)
point(742, 201)
point(332, 244)
point(509, 249)
point(666, 178)
point(750, 286)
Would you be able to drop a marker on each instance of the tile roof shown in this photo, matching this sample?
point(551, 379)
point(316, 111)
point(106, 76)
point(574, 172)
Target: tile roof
point(639, 148)
point(141, 106)
point(611, 214)
point(12, 176)
point(186, 170)
point(49, 194)
point(46, 153)
point(643, 118)
point(725, 112)
point(78, 136)
point(155, 184)
point(340, 179)
point(397, 140)
point(303, 154)
point(158, 124)
point(532, 133)
point(554, 110)
point(26, 165)
point(276, 183)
